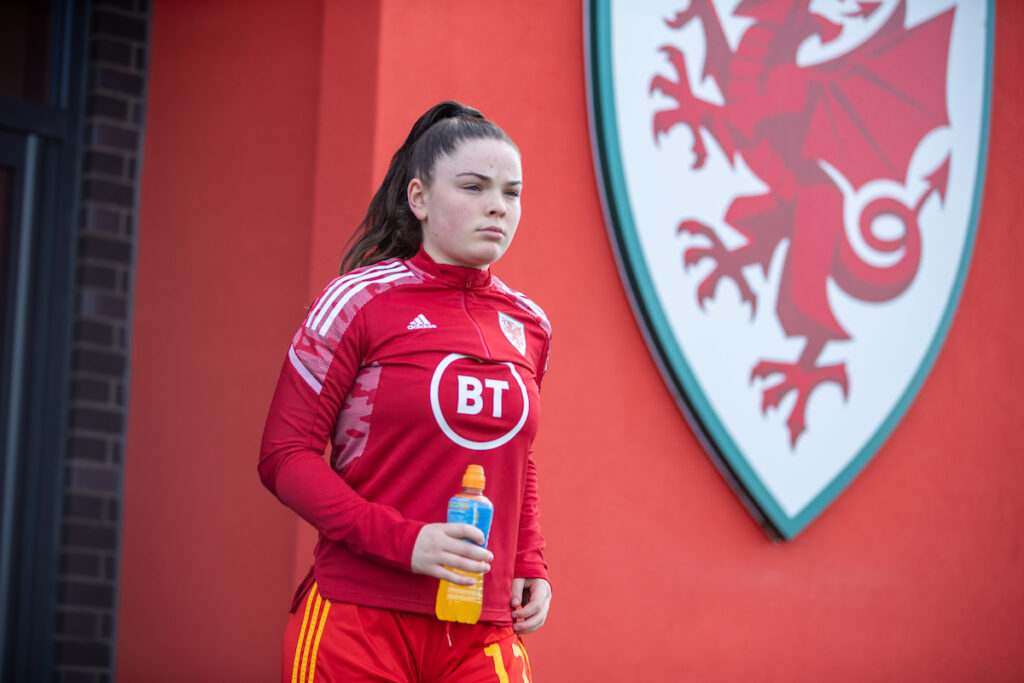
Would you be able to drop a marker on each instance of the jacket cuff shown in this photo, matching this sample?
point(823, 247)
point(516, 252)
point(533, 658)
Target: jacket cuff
point(531, 570)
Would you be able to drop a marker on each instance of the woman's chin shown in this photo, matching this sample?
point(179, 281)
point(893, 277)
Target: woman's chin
point(483, 256)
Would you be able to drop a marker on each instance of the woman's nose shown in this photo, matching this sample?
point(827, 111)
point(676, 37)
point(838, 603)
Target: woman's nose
point(496, 205)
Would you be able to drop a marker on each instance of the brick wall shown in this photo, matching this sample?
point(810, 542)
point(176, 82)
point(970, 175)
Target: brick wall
point(85, 631)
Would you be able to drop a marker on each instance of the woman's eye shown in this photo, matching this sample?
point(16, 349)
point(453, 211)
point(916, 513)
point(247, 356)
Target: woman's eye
point(512, 193)
point(472, 188)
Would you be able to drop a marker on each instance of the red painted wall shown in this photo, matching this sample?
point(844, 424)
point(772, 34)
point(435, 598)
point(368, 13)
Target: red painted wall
point(269, 125)
point(222, 268)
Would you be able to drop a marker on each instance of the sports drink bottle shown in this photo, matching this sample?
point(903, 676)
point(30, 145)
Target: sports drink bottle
point(463, 603)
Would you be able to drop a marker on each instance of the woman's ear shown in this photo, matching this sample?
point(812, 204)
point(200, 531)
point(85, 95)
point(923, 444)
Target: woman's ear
point(417, 195)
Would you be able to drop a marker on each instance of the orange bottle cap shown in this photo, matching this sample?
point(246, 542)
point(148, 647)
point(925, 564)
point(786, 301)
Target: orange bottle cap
point(473, 478)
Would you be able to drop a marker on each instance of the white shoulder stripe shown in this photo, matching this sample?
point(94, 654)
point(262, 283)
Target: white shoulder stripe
point(303, 372)
point(527, 302)
point(338, 286)
point(335, 290)
point(340, 283)
point(355, 290)
point(532, 306)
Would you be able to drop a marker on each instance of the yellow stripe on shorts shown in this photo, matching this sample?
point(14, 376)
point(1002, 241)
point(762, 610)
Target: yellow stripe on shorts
point(302, 634)
point(316, 643)
point(309, 638)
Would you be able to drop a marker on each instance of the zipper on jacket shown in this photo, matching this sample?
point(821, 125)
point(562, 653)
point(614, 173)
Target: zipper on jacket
point(479, 331)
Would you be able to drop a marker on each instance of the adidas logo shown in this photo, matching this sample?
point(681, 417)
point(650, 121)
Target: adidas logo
point(420, 322)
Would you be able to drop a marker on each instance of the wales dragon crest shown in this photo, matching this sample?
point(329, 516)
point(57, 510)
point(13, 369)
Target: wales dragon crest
point(792, 188)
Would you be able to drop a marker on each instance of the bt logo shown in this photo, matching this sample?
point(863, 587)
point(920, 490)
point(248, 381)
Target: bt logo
point(471, 400)
point(474, 410)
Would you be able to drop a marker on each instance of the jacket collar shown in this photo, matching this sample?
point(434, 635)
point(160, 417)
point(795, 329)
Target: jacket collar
point(454, 276)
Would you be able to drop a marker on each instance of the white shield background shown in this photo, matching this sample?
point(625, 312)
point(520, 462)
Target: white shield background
point(711, 351)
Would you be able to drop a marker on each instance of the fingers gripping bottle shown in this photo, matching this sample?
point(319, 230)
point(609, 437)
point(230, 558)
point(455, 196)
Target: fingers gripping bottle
point(463, 603)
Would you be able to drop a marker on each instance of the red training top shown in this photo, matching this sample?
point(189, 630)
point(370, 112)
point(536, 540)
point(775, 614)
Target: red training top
point(413, 370)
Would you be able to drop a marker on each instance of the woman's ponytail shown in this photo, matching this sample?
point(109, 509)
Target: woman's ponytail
point(390, 229)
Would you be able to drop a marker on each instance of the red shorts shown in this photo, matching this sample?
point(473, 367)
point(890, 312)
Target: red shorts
point(336, 641)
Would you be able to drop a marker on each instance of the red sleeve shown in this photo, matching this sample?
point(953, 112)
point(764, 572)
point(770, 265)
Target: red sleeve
point(314, 382)
point(530, 548)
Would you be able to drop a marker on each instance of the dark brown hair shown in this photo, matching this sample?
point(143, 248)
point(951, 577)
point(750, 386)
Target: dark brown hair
point(389, 228)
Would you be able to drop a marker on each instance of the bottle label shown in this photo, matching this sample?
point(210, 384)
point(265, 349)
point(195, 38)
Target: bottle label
point(470, 511)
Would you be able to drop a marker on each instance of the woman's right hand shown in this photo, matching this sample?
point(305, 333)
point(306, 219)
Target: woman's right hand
point(439, 548)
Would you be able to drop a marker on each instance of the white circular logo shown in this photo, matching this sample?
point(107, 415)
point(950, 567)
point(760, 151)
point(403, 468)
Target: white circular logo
point(473, 393)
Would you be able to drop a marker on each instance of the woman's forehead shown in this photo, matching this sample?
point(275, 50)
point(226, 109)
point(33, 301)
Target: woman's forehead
point(481, 153)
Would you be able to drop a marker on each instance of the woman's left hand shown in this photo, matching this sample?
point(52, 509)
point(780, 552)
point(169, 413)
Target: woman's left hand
point(535, 611)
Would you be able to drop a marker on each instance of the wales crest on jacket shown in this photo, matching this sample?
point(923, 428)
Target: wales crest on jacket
point(792, 188)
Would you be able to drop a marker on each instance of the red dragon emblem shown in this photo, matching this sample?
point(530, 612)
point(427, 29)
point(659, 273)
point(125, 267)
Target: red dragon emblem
point(859, 116)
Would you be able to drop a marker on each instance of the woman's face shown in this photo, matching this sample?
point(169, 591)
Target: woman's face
point(470, 210)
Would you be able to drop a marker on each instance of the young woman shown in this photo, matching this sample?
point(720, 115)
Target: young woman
point(413, 364)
